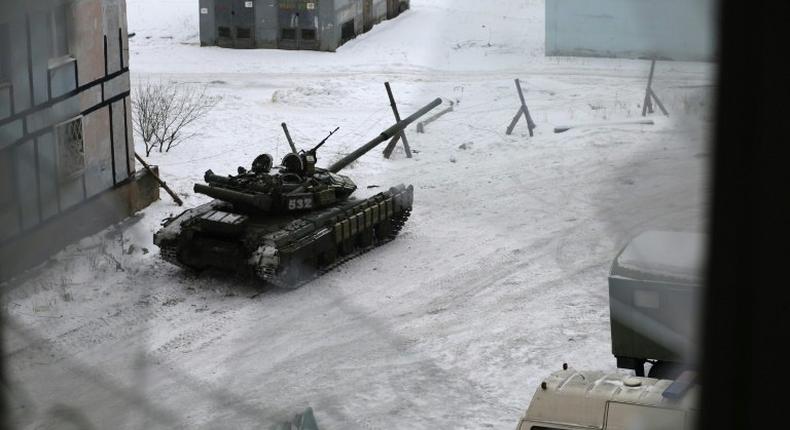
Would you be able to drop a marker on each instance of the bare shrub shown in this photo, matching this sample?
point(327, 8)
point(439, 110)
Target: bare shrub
point(164, 112)
point(146, 113)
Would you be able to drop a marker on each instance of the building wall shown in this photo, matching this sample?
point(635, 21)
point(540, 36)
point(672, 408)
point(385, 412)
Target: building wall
point(667, 29)
point(65, 114)
point(267, 23)
point(272, 16)
point(208, 27)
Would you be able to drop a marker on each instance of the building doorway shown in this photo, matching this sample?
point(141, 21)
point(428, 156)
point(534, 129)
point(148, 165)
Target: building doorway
point(367, 15)
point(235, 23)
point(298, 25)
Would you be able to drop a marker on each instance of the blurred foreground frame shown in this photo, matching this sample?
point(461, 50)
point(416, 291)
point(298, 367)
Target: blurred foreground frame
point(745, 321)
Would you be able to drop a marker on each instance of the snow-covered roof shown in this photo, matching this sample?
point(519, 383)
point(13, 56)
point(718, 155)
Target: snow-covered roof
point(663, 255)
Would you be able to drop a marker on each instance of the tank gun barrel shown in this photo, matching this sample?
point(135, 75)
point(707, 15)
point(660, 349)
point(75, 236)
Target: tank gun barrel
point(258, 201)
point(290, 141)
point(383, 137)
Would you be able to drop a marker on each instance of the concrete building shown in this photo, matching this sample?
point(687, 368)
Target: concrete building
point(683, 30)
point(67, 164)
point(291, 24)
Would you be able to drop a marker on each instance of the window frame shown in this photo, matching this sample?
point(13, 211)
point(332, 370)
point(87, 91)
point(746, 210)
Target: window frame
point(5, 60)
point(59, 32)
point(61, 157)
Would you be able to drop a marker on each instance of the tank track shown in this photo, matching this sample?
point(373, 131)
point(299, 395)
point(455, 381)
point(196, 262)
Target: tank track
point(169, 253)
point(397, 221)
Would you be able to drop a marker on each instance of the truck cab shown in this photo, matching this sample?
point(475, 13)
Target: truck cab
point(574, 400)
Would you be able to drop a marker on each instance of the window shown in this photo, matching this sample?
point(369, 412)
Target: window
point(59, 45)
point(288, 34)
point(9, 220)
point(6, 190)
point(71, 149)
point(622, 416)
point(308, 34)
point(5, 54)
point(243, 33)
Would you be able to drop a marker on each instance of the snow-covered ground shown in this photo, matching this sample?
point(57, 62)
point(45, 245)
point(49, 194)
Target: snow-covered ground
point(498, 278)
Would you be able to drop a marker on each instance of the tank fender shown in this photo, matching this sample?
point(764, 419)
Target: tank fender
point(266, 256)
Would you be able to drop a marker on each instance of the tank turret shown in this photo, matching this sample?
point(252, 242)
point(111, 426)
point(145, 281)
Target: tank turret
point(297, 184)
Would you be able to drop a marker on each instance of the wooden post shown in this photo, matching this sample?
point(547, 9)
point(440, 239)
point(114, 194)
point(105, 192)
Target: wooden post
point(158, 179)
point(658, 102)
point(647, 105)
point(402, 135)
point(523, 110)
point(650, 95)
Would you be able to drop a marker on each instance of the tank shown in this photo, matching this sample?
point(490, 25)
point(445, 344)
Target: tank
point(290, 223)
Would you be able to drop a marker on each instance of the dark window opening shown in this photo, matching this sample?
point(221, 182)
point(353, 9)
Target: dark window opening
point(308, 34)
point(9, 221)
point(5, 56)
point(223, 31)
point(59, 22)
point(347, 31)
point(288, 34)
point(6, 181)
point(243, 33)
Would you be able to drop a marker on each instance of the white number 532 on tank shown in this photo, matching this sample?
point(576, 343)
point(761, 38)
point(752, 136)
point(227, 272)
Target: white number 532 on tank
point(299, 203)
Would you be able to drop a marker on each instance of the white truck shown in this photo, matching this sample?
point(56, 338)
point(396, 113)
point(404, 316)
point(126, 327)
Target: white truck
point(573, 400)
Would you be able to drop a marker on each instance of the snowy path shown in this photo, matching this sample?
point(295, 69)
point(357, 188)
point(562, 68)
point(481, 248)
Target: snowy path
point(498, 278)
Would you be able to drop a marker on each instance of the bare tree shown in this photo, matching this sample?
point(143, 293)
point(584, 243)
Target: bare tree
point(182, 105)
point(164, 113)
point(147, 113)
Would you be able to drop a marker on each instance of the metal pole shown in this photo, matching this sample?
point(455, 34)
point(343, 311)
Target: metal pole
point(402, 135)
point(515, 121)
point(647, 106)
point(564, 128)
point(421, 125)
point(658, 102)
point(522, 110)
point(530, 123)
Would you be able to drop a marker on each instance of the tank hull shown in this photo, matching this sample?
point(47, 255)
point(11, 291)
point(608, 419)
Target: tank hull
point(285, 250)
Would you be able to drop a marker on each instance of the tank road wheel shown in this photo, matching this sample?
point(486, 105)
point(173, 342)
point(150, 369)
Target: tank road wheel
point(397, 221)
point(365, 238)
point(328, 257)
point(297, 273)
point(384, 230)
point(347, 246)
point(292, 276)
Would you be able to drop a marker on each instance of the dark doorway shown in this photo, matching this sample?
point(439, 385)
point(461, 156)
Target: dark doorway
point(347, 31)
point(393, 8)
point(367, 15)
point(235, 23)
point(298, 25)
